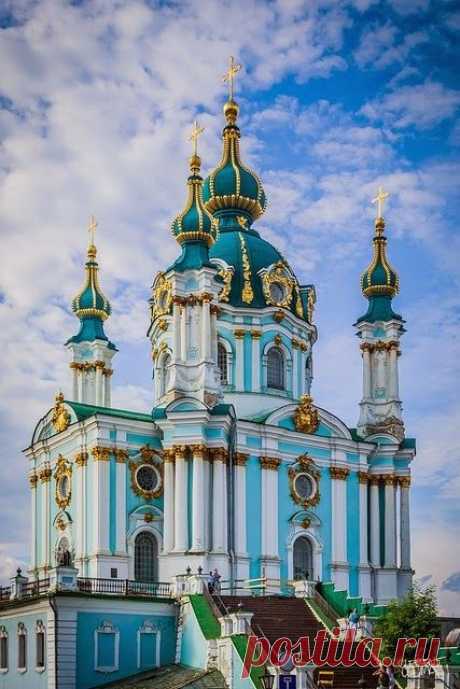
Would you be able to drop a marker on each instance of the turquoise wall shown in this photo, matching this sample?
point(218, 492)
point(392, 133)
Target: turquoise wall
point(128, 625)
point(31, 679)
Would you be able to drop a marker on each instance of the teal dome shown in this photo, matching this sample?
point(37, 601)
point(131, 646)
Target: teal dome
point(232, 185)
point(90, 305)
point(194, 223)
point(260, 276)
point(379, 278)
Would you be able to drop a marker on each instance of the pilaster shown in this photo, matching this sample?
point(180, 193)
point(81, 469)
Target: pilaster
point(339, 564)
point(198, 454)
point(269, 527)
point(168, 511)
point(181, 500)
point(364, 569)
point(219, 502)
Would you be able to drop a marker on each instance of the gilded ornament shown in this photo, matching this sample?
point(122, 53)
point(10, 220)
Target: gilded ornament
point(295, 343)
point(147, 453)
point(33, 479)
point(270, 463)
point(389, 480)
point(278, 285)
point(256, 334)
point(218, 454)
point(298, 301)
point(147, 475)
point(247, 294)
point(277, 340)
point(239, 333)
point(63, 476)
point(148, 517)
point(306, 417)
point(121, 456)
point(61, 417)
point(374, 479)
point(240, 459)
point(304, 467)
point(363, 477)
point(305, 523)
point(391, 426)
point(339, 473)
point(404, 481)
point(199, 451)
point(278, 316)
point(81, 459)
point(60, 524)
point(45, 473)
point(162, 296)
point(169, 455)
point(242, 221)
point(311, 301)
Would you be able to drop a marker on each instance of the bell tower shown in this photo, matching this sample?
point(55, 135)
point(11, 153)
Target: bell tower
point(92, 351)
point(380, 330)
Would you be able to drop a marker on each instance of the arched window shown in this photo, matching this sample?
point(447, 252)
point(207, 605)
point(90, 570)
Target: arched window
point(222, 362)
point(22, 647)
point(308, 373)
point(145, 557)
point(40, 636)
point(303, 559)
point(275, 368)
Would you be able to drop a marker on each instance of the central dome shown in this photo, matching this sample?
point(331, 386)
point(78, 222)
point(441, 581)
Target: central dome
point(254, 273)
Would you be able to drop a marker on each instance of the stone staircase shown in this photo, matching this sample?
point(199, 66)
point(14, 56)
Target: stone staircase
point(277, 616)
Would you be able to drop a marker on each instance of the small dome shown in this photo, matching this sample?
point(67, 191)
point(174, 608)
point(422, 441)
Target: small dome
point(232, 185)
point(90, 302)
point(379, 278)
point(194, 223)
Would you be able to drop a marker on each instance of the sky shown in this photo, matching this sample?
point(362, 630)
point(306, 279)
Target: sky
point(337, 97)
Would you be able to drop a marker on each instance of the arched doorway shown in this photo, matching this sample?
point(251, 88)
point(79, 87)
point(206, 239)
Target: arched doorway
point(303, 558)
point(145, 557)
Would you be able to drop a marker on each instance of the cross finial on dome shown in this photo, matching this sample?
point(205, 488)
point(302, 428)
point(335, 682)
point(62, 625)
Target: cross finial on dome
point(380, 200)
point(194, 135)
point(92, 231)
point(229, 76)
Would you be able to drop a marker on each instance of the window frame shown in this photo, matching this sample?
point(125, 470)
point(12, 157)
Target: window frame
point(282, 361)
point(4, 640)
point(22, 639)
point(40, 632)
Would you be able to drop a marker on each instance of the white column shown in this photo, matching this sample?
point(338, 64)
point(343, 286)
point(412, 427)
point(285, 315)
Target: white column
point(390, 521)
point(205, 328)
point(239, 363)
point(364, 569)
point(269, 475)
point(33, 480)
point(45, 478)
point(404, 483)
point(303, 353)
point(81, 461)
point(198, 497)
point(295, 369)
point(219, 500)
point(339, 513)
point(121, 457)
point(74, 382)
point(183, 332)
point(366, 371)
point(375, 521)
point(99, 384)
point(101, 467)
point(255, 335)
point(393, 373)
point(168, 512)
point(214, 310)
point(181, 502)
point(240, 503)
point(107, 386)
point(176, 324)
point(80, 383)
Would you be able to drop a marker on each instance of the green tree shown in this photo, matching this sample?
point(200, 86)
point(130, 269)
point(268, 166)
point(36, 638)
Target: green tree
point(413, 616)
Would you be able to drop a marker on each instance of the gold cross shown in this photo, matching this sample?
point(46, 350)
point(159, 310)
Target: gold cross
point(230, 75)
point(92, 229)
point(380, 200)
point(196, 132)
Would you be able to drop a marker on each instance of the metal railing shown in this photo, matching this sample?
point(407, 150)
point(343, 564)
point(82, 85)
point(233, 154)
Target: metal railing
point(124, 587)
point(33, 589)
point(5, 592)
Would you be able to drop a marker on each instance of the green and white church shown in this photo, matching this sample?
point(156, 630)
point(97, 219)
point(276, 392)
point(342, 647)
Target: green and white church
point(234, 467)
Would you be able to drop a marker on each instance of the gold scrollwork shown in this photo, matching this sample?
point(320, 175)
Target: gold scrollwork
point(278, 275)
point(304, 469)
point(162, 296)
point(339, 473)
point(226, 274)
point(61, 417)
point(63, 476)
point(149, 461)
point(306, 417)
point(247, 294)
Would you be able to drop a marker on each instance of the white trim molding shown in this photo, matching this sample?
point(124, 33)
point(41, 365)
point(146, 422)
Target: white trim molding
point(148, 628)
point(107, 628)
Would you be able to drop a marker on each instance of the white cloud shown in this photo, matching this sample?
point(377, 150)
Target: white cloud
point(421, 105)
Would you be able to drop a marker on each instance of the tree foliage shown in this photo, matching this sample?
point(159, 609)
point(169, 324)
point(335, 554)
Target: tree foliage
point(414, 616)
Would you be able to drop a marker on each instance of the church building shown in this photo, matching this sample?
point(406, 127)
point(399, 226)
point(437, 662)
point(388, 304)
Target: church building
point(234, 467)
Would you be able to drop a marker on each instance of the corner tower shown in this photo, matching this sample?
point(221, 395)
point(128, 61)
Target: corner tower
point(380, 330)
point(92, 351)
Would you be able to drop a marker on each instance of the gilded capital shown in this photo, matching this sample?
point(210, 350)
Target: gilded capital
point(389, 480)
point(199, 451)
point(169, 455)
point(374, 479)
point(404, 481)
point(240, 459)
point(278, 316)
point(256, 334)
point(101, 454)
point(239, 333)
point(33, 479)
point(81, 459)
point(45, 473)
point(121, 455)
point(339, 473)
point(295, 343)
point(180, 451)
point(270, 463)
point(218, 454)
point(363, 477)
point(147, 453)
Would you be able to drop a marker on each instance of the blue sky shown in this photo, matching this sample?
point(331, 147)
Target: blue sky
point(336, 98)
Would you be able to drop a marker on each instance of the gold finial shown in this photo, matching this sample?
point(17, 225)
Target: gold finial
point(229, 76)
point(91, 231)
point(195, 134)
point(380, 200)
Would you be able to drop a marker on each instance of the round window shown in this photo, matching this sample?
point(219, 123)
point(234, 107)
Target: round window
point(304, 486)
point(276, 292)
point(64, 486)
point(147, 478)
